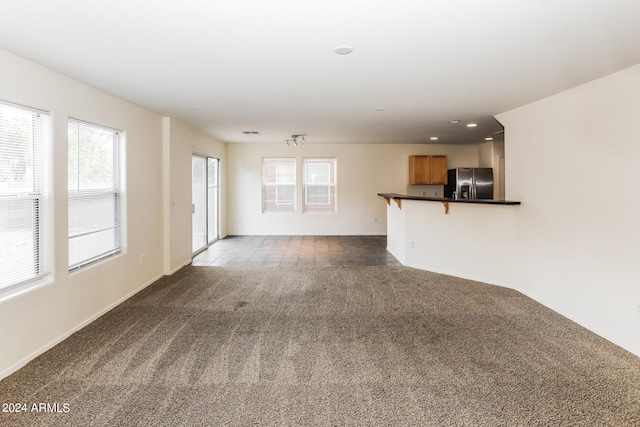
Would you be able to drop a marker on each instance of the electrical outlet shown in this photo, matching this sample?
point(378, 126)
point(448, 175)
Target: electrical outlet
point(638, 311)
point(413, 244)
point(375, 220)
point(141, 259)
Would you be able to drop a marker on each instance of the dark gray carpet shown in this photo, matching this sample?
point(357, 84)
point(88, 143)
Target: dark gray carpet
point(329, 346)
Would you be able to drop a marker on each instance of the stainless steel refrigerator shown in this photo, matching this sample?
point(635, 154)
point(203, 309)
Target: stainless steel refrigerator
point(469, 183)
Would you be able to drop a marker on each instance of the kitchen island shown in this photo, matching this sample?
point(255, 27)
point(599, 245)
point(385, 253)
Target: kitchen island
point(474, 240)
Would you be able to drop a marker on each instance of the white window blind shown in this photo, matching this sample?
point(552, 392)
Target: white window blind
point(24, 195)
point(285, 183)
point(278, 184)
point(320, 185)
point(94, 193)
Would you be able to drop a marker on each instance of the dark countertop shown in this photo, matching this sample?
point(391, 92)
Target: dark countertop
point(444, 199)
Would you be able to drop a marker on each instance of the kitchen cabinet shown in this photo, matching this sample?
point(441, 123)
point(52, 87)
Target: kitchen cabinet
point(428, 170)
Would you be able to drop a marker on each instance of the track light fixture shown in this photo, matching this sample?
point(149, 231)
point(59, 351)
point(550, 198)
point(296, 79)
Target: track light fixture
point(294, 139)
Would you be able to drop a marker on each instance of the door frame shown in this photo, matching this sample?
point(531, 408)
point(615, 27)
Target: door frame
point(206, 203)
point(217, 225)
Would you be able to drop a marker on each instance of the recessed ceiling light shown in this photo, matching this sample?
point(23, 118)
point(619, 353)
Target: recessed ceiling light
point(343, 49)
point(434, 138)
point(454, 122)
point(379, 109)
point(488, 138)
point(472, 125)
point(193, 108)
point(251, 132)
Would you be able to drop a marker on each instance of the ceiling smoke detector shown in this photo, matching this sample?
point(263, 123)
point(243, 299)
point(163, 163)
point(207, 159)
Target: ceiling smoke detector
point(343, 49)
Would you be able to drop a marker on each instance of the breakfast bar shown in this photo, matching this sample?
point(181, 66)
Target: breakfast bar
point(445, 201)
point(467, 238)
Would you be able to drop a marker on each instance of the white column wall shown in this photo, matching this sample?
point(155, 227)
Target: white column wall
point(178, 136)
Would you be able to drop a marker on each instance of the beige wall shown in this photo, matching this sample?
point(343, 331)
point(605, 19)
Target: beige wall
point(489, 156)
point(485, 155)
point(574, 243)
point(473, 241)
point(363, 171)
point(157, 210)
point(180, 142)
point(571, 159)
point(32, 321)
point(178, 247)
point(207, 146)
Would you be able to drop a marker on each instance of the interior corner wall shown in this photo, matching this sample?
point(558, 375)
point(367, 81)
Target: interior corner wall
point(35, 319)
point(364, 170)
point(572, 161)
point(183, 141)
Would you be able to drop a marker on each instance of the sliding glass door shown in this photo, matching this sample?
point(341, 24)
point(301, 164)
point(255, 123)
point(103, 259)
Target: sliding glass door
point(205, 190)
point(213, 191)
point(199, 203)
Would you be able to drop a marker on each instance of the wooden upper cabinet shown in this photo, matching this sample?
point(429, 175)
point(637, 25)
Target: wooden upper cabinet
point(428, 170)
point(439, 170)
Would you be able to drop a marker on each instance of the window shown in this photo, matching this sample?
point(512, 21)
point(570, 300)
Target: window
point(24, 190)
point(319, 185)
point(94, 193)
point(278, 185)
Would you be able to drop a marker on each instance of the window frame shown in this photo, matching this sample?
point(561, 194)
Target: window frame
point(88, 195)
point(273, 184)
point(38, 196)
point(318, 185)
point(331, 185)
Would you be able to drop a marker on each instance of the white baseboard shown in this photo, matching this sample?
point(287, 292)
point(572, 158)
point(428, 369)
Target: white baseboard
point(581, 322)
point(184, 264)
point(486, 280)
point(584, 324)
point(22, 362)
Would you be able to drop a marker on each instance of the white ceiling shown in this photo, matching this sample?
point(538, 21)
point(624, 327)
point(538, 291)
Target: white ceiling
point(269, 66)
